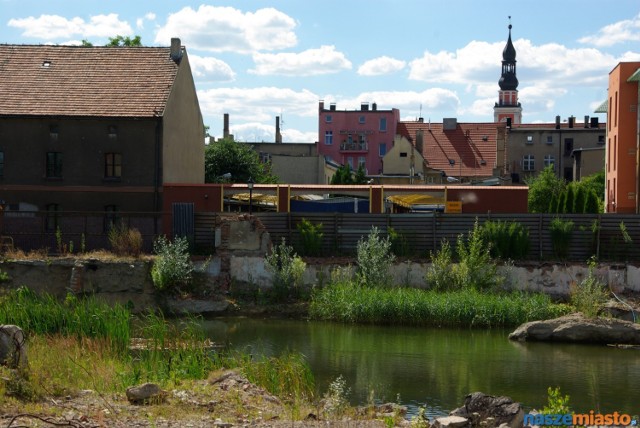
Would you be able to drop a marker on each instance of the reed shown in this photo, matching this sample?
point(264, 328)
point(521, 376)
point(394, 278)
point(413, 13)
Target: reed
point(348, 302)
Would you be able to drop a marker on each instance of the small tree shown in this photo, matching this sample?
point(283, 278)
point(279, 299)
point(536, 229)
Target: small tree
point(226, 156)
point(374, 260)
point(287, 270)
point(592, 204)
point(569, 200)
point(124, 41)
point(172, 269)
point(343, 175)
point(581, 199)
point(542, 187)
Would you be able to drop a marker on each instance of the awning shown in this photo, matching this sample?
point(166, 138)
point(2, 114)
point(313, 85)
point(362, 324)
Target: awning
point(411, 200)
point(256, 198)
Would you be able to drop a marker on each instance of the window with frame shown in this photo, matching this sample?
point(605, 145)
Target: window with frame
point(53, 217)
point(112, 131)
point(549, 139)
point(1, 164)
point(361, 119)
point(600, 139)
point(328, 118)
point(549, 160)
point(383, 124)
point(350, 162)
point(528, 163)
point(110, 217)
point(382, 149)
point(362, 162)
point(529, 139)
point(328, 138)
point(112, 165)
point(54, 165)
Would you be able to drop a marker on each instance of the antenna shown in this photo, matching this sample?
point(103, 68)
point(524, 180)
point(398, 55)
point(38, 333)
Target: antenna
point(420, 110)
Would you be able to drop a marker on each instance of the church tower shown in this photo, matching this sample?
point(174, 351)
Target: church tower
point(508, 106)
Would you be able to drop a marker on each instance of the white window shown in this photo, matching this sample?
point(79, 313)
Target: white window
point(383, 123)
point(529, 139)
point(528, 163)
point(328, 118)
point(328, 138)
point(362, 161)
point(549, 160)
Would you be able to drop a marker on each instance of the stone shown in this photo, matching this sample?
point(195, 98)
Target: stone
point(13, 347)
point(492, 410)
point(147, 393)
point(450, 422)
point(578, 328)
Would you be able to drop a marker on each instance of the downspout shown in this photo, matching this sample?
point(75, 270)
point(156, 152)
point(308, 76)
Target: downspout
point(157, 172)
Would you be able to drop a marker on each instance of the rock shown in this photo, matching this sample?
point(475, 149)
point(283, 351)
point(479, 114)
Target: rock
point(13, 347)
point(577, 328)
point(147, 393)
point(491, 410)
point(196, 306)
point(450, 422)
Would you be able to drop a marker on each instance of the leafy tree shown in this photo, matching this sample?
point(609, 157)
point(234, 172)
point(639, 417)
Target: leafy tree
point(592, 204)
point(86, 43)
point(225, 156)
point(542, 188)
point(343, 175)
point(570, 200)
point(124, 41)
point(581, 199)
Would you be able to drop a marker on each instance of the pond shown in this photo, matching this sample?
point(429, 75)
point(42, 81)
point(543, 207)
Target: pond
point(435, 368)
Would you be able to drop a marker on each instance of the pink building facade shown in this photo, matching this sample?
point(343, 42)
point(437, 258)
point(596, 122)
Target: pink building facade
point(357, 137)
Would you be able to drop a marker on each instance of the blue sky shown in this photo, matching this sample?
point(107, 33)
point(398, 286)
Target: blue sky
point(259, 59)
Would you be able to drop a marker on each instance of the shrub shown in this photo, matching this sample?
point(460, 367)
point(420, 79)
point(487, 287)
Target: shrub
point(311, 236)
point(374, 260)
point(287, 270)
point(399, 243)
point(589, 295)
point(172, 268)
point(475, 269)
point(561, 232)
point(439, 275)
point(125, 241)
point(506, 239)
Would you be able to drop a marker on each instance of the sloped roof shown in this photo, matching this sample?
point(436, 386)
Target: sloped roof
point(42, 80)
point(472, 146)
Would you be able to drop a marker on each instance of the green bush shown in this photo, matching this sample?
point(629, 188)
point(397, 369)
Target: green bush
point(287, 270)
point(475, 269)
point(589, 295)
point(311, 236)
point(399, 243)
point(561, 232)
point(506, 239)
point(374, 260)
point(172, 268)
point(440, 275)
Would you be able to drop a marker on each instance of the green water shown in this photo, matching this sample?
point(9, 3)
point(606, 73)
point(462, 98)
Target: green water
point(435, 368)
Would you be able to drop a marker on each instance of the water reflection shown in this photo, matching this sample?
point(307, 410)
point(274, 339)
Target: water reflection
point(435, 368)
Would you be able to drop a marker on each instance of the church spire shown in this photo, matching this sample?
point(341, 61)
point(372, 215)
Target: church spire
point(508, 108)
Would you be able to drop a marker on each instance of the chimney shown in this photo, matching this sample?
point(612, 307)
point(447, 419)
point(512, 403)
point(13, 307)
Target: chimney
point(419, 141)
point(586, 121)
point(571, 119)
point(332, 106)
point(364, 106)
point(594, 122)
point(321, 105)
point(557, 122)
point(374, 106)
point(278, 134)
point(225, 132)
point(176, 50)
point(421, 119)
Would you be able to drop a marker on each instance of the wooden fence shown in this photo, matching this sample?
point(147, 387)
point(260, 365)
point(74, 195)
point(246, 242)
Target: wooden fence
point(600, 235)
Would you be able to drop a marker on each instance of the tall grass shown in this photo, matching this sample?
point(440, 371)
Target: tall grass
point(86, 317)
point(348, 302)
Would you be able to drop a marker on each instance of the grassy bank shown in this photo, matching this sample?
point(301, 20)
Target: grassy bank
point(349, 302)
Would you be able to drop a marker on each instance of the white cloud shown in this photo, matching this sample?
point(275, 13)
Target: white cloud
point(226, 29)
point(210, 69)
point(380, 66)
point(430, 99)
point(627, 30)
point(257, 104)
point(482, 107)
point(50, 27)
point(311, 62)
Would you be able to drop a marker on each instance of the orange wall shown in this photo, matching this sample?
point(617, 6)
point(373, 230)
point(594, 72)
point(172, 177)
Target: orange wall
point(622, 139)
point(498, 199)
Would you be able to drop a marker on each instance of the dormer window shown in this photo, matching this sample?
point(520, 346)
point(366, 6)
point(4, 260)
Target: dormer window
point(46, 63)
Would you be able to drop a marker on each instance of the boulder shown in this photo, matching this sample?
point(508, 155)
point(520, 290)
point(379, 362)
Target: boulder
point(450, 422)
point(578, 328)
point(147, 393)
point(13, 346)
point(496, 411)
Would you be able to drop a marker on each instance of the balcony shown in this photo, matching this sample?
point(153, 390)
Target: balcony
point(362, 147)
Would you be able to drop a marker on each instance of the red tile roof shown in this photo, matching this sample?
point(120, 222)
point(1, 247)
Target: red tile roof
point(471, 145)
point(101, 81)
